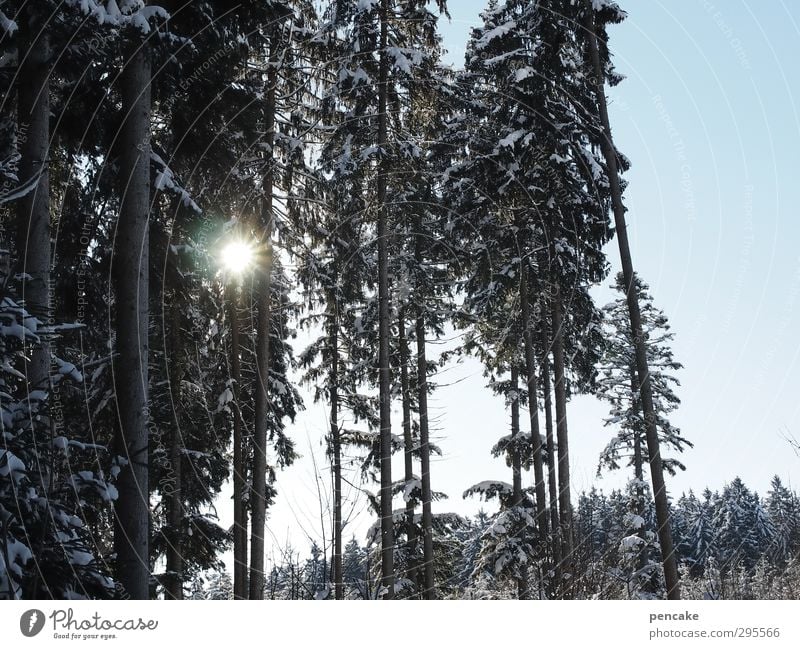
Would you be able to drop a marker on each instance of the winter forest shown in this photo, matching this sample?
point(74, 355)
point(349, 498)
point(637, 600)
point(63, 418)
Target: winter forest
point(218, 219)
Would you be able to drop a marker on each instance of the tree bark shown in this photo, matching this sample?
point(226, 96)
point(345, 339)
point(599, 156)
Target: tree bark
point(336, 445)
point(33, 235)
point(516, 464)
point(638, 470)
point(240, 586)
point(33, 232)
point(551, 465)
point(387, 530)
point(564, 492)
point(263, 334)
point(533, 406)
point(131, 276)
point(408, 443)
point(640, 346)
point(429, 592)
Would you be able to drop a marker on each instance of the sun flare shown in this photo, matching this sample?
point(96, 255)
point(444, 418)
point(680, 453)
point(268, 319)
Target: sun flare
point(237, 257)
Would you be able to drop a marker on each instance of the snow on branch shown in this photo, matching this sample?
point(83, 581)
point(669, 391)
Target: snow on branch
point(128, 13)
point(166, 181)
point(489, 489)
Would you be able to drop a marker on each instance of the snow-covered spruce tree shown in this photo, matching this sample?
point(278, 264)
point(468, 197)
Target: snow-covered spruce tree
point(527, 161)
point(483, 184)
point(188, 360)
point(593, 17)
point(697, 545)
point(242, 81)
point(423, 291)
point(470, 537)
point(618, 384)
point(188, 366)
point(743, 530)
point(354, 572)
point(508, 546)
point(54, 474)
point(383, 48)
point(210, 100)
point(784, 511)
point(213, 585)
point(508, 543)
point(70, 35)
point(336, 269)
point(333, 269)
point(639, 552)
point(51, 482)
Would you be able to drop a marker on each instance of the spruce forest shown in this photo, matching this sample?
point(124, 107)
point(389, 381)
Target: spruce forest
point(220, 218)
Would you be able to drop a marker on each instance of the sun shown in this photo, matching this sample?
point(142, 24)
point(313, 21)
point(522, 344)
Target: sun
point(237, 257)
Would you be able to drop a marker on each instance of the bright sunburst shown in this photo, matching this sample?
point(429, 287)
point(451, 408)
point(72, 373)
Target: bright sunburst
point(237, 257)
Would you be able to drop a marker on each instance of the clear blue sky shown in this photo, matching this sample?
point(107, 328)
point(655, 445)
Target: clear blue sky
point(709, 117)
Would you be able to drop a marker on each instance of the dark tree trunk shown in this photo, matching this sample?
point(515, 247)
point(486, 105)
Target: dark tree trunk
point(516, 464)
point(336, 445)
point(240, 588)
point(640, 346)
point(429, 591)
point(638, 470)
point(387, 531)
point(33, 231)
point(263, 334)
point(564, 494)
point(551, 465)
point(408, 443)
point(533, 406)
point(33, 235)
point(131, 277)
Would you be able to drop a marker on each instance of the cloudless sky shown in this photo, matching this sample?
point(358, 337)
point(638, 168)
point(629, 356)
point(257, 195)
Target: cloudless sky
point(708, 116)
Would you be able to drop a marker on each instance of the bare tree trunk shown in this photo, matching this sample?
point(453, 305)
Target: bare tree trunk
point(263, 334)
point(173, 586)
point(640, 346)
point(429, 591)
point(638, 471)
point(336, 443)
point(131, 277)
point(33, 235)
point(564, 492)
point(533, 406)
point(516, 464)
point(551, 467)
point(408, 443)
point(240, 589)
point(387, 531)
